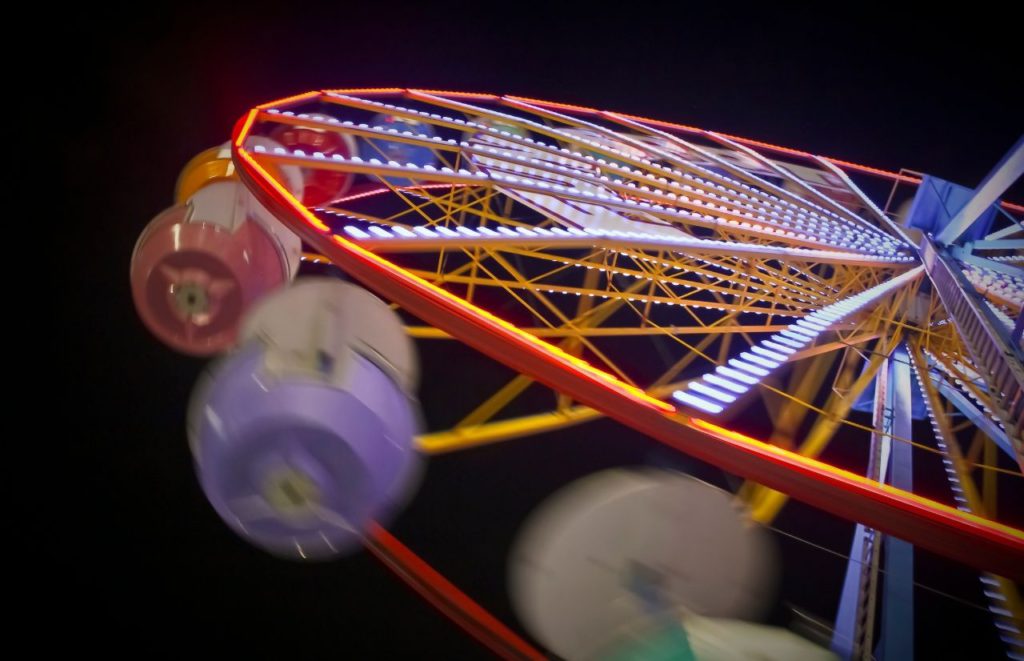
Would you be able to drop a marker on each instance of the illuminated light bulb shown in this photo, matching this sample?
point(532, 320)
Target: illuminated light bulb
point(747, 367)
point(768, 353)
point(778, 347)
point(795, 341)
point(816, 327)
point(697, 402)
point(759, 360)
point(714, 393)
point(725, 383)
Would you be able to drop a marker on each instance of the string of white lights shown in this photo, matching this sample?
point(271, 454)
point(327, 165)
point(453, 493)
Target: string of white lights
point(801, 224)
point(1009, 631)
point(717, 390)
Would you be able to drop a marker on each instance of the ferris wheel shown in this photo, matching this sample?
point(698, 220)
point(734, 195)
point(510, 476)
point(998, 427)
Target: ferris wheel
point(664, 276)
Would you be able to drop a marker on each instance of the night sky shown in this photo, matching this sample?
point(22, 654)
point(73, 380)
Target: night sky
point(139, 563)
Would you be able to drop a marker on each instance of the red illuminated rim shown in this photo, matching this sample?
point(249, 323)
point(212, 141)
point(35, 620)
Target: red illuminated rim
point(945, 530)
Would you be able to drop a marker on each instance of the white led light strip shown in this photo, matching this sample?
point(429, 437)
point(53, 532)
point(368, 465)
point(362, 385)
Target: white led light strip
point(717, 390)
point(611, 202)
point(532, 165)
point(407, 239)
point(603, 135)
point(399, 235)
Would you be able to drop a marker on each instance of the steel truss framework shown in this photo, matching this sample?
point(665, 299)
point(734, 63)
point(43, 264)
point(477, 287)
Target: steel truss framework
point(617, 260)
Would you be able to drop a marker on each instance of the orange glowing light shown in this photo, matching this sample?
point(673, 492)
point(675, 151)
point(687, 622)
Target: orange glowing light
point(654, 122)
point(369, 90)
point(459, 95)
point(289, 100)
point(552, 104)
point(304, 213)
point(246, 122)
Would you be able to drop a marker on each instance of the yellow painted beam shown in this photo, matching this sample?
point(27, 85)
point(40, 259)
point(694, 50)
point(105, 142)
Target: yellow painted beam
point(767, 506)
point(461, 438)
point(804, 384)
point(470, 436)
point(590, 317)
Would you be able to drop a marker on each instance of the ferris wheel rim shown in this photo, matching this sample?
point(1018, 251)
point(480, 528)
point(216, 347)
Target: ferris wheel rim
point(641, 412)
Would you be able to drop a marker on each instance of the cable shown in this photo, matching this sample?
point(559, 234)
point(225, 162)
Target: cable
point(941, 593)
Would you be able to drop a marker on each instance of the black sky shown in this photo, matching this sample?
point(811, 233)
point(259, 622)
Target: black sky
point(139, 562)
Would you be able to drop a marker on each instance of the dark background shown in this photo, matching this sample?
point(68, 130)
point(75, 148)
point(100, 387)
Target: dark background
point(136, 560)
